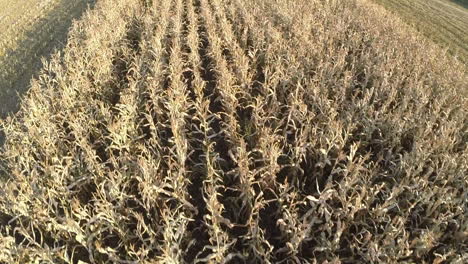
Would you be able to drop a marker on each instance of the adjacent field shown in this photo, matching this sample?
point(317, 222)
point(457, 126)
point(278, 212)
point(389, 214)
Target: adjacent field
point(29, 30)
point(444, 21)
point(239, 131)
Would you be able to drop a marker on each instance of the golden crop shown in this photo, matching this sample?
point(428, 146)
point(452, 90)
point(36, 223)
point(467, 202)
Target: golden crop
point(239, 131)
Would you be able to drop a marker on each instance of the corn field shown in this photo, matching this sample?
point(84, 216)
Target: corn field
point(239, 131)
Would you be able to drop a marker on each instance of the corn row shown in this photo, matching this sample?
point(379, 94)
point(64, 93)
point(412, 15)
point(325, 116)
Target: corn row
point(241, 63)
point(152, 180)
point(219, 240)
point(250, 200)
point(293, 231)
point(177, 105)
point(200, 157)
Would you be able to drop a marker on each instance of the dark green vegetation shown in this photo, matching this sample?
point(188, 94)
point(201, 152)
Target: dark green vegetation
point(239, 131)
point(463, 3)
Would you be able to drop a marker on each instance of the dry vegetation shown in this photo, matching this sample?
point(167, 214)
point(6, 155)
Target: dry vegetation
point(239, 131)
point(29, 30)
point(444, 21)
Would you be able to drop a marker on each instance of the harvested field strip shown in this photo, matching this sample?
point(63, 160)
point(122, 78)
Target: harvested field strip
point(443, 21)
point(209, 131)
point(30, 30)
